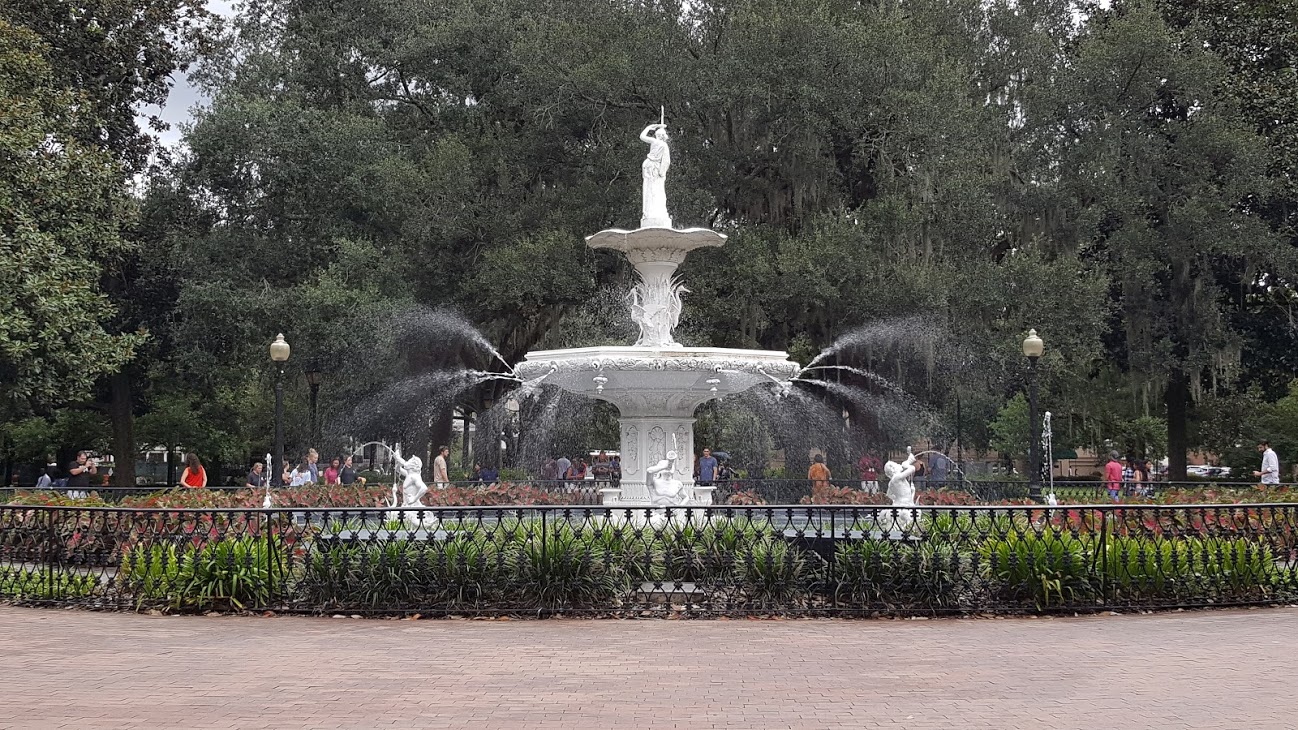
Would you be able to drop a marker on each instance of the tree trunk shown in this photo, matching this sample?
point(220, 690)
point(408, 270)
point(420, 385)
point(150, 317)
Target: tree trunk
point(1177, 399)
point(121, 414)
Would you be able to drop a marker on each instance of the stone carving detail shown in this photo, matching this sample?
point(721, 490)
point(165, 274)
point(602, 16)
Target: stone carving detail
point(657, 444)
point(685, 444)
point(656, 309)
point(632, 457)
point(776, 368)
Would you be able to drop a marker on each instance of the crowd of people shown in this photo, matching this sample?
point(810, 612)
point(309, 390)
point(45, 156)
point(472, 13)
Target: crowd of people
point(602, 467)
point(341, 470)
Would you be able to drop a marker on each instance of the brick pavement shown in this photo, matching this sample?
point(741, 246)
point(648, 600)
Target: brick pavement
point(75, 669)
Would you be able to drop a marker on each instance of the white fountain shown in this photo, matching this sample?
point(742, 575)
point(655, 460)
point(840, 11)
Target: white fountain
point(657, 383)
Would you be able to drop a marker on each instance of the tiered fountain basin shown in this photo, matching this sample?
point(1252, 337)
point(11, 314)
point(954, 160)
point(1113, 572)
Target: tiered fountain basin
point(656, 390)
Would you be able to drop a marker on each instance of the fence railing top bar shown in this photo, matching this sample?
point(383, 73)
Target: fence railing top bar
point(603, 509)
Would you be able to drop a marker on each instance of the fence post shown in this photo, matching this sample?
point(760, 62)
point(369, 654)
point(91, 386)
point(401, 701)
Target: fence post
point(833, 541)
point(51, 550)
point(271, 558)
point(1103, 558)
point(545, 555)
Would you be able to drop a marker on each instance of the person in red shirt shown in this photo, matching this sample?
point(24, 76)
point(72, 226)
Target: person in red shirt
point(194, 476)
point(1113, 476)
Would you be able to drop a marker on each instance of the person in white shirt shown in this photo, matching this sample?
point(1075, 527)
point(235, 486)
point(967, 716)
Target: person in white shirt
point(440, 479)
point(1270, 473)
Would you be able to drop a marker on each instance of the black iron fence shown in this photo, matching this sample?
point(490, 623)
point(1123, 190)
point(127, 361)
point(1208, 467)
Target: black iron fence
point(748, 560)
point(779, 491)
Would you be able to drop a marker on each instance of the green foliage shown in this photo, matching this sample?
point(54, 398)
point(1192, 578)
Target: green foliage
point(898, 574)
point(63, 210)
point(559, 567)
point(1009, 430)
point(234, 572)
point(773, 572)
point(41, 584)
point(1188, 568)
point(1046, 568)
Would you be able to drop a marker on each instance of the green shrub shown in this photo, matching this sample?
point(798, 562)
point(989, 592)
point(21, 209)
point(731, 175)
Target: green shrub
point(41, 583)
point(229, 573)
point(897, 574)
point(1045, 568)
point(771, 571)
point(558, 567)
point(1178, 568)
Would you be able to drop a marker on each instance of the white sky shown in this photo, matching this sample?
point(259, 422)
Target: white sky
point(183, 97)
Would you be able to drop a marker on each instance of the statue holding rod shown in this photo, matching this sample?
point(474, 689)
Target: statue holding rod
point(654, 171)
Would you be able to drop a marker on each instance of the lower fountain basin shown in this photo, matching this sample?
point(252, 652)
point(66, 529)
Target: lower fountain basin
point(656, 390)
point(652, 381)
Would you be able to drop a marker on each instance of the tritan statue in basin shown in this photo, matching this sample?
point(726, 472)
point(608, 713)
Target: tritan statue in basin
point(665, 490)
point(654, 170)
point(900, 488)
point(412, 487)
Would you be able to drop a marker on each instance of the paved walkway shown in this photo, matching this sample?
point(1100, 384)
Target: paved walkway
point(75, 669)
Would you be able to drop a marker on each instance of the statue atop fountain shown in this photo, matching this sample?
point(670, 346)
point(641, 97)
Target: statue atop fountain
point(654, 171)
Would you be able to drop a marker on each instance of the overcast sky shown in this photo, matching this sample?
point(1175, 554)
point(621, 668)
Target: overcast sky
point(183, 97)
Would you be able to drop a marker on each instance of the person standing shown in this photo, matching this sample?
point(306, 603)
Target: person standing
point(313, 465)
point(819, 475)
point(347, 476)
point(300, 476)
point(550, 470)
point(615, 470)
point(255, 478)
point(440, 478)
point(1113, 477)
point(1270, 473)
point(194, 476)
point(564, 465)
point(79, 475)
point(331, 471)
point(707, 468)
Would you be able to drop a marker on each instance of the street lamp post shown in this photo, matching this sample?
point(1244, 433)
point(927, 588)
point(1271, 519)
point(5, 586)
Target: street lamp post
point(1032, 348)
point(313, 382)
point(279, 351)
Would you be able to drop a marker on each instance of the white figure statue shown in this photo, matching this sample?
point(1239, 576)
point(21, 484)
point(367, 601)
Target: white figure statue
point(900, 488)
point(654, 170)
point(665, 490)
point(412, 487)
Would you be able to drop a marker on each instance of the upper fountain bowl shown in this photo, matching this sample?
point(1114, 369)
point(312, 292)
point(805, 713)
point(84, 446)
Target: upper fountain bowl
point(654, 244)
point(649, 381)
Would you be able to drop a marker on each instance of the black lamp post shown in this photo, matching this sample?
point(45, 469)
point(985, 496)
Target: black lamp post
point(313, 381)
point(1032, 348)
point(279, 351)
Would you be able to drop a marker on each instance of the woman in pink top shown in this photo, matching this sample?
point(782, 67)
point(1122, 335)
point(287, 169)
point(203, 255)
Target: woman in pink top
point(1113, 476)
point(332, 471)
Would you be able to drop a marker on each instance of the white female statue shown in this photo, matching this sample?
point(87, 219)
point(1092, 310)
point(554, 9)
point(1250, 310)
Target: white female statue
point(900, 489)
point(654, 171)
